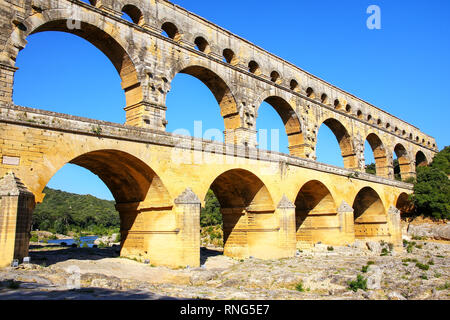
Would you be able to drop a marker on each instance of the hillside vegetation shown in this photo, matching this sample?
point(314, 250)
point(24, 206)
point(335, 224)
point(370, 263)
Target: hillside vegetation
point(61, 212)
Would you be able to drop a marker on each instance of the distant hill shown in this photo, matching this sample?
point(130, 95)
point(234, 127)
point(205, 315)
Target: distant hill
point(62, 211)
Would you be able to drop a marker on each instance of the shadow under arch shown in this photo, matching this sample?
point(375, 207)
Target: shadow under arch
point(219, 88)
point(421, 159)
point(291, 123)
point(314, 204)
point(369, 214)
point(110, 45)
point(345, 142)
point(404, 204)
point(249, 223)
point(380, 155)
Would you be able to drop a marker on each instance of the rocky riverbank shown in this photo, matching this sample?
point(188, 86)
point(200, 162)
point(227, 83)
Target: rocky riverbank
point(420, 271)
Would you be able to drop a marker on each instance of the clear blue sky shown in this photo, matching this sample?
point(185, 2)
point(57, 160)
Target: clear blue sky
point(402, 68)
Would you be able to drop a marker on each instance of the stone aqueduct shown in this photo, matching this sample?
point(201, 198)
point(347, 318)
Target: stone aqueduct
point(271, 203)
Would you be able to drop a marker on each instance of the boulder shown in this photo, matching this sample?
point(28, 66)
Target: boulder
point(428, 230)
point(373, 246)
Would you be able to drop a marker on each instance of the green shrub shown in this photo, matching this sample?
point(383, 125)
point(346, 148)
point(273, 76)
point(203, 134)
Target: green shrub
point(446, 286)
point(384, 252)
point(422, 266)
point(330, 248)
point(359, 283)
point(299, 287)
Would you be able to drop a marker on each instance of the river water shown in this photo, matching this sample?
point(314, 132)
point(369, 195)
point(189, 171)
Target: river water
point(69, 242)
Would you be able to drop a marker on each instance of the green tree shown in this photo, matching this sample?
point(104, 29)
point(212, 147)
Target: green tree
point(432, 188)
point(371, 168)
point(210, 214)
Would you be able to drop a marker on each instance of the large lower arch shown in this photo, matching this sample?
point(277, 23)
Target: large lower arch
point(220, 90)
point(315, 215)
point(345, 142)
point(404, 161)
point(380, 155)
point(370, 216)
point(142, 200)
point(92, 30)
point(291, 124)
point(249, 222)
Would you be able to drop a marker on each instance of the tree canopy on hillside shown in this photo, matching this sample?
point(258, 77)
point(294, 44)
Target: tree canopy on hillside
point(432, 188)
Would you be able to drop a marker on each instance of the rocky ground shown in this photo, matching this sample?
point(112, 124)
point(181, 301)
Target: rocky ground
point(420, 271)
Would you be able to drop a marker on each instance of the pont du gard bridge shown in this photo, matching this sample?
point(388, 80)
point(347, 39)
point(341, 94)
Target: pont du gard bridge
point(272, 203)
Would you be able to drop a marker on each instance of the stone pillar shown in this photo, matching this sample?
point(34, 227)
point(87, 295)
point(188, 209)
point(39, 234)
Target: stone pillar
point(351, 161)
point(346, 222)
point(6, 83)
point(187, 210)
point(395, 228)
point(241, 136)
point(16, 208)
point(146, 101)
point(287, 234)
point(305, 151)
point(146, 115)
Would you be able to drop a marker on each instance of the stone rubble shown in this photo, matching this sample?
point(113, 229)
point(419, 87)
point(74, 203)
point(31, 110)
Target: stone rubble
point(322, 275)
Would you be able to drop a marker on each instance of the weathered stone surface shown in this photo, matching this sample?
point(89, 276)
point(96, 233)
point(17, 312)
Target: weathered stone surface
point(438, 232)
point(323, 275)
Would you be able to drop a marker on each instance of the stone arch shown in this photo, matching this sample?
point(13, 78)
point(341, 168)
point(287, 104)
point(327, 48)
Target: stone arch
point(92, 30)
point(404, 204)
point(219, 88)
point(290, 120)
point(314, 204)
point(275, 77)
point(137, 189)
point(128, 178)
point(404, 161)
point(230, 57)
point(134, 13)
point(345, 142)
point(380, 155)
point(294, 85)
point(171, 29)
point(369, 214)
point(202, 44)
point(421, 159)
point(247, 208)
point(253, 67)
